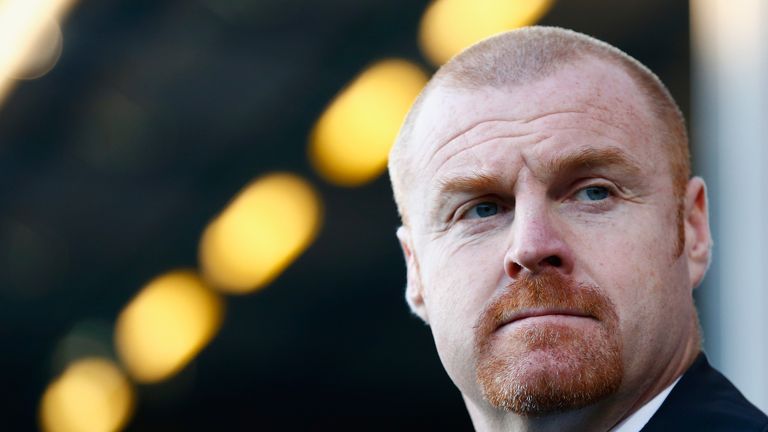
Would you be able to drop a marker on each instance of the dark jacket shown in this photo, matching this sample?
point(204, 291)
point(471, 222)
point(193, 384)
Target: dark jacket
point(704, 400)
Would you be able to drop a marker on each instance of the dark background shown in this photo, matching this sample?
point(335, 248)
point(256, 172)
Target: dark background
point(157, 113)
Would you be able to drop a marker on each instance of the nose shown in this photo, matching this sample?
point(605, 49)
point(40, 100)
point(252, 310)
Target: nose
point(537, 244)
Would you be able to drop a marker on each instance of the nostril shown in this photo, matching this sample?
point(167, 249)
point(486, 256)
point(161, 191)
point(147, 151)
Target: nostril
point(554, 261)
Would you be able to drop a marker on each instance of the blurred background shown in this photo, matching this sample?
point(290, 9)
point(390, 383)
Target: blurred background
point(197, 232)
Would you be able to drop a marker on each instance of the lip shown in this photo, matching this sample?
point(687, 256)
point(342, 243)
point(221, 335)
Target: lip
point(544, 312)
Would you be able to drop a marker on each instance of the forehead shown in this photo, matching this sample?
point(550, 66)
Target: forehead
point(591, 87)
point(588, 103)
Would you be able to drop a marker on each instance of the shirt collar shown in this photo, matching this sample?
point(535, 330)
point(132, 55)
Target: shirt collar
point(638, 419)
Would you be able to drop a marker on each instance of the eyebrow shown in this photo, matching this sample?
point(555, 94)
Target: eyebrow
point(468, 183)
point(591, 159)
point(581, 160)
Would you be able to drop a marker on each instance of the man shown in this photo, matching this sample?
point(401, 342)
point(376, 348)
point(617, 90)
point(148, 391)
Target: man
point(553, 237)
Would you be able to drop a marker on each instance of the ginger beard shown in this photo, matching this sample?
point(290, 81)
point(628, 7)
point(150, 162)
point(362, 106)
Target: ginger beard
point(547, 367)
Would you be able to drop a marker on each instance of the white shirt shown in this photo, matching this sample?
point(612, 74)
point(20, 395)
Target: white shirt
point(639, 418)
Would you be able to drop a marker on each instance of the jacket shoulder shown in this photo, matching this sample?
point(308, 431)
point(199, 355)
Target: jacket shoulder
point(705, 400)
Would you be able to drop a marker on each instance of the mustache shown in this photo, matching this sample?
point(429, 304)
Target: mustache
point(543, 294)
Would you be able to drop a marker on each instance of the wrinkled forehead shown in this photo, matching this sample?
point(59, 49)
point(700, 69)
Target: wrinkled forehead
point(599, 89)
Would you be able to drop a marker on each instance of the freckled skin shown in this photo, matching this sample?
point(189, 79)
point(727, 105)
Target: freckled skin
point(624, 244)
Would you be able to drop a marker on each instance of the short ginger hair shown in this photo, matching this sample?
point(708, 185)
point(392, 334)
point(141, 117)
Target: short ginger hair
point(528, 55)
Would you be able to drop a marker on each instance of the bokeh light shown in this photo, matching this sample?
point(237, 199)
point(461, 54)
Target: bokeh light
point(30, 37)
point(92, 395)
point(43, 54)
point(265, 227)
point(166, 325)
point(449, 26)
point(350, 143)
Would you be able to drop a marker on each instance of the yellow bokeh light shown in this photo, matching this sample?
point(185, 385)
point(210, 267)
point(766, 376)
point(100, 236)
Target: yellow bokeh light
point(166, 325)
point(449, 26)
point(350, 143)
point(92, 395)
point(265, 227)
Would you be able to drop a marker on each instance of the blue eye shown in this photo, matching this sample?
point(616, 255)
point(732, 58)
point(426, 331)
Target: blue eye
point(483, 210)
point(593, 193)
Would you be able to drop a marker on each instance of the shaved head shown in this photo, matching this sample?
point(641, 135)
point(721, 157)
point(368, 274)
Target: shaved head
point(528, 55)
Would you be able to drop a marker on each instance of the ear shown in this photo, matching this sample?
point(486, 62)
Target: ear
point(414, 291)
point(698, 239)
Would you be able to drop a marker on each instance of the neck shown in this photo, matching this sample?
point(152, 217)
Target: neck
point(679, 361)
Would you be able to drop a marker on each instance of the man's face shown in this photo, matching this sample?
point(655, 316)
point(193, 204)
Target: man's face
point(542, 245)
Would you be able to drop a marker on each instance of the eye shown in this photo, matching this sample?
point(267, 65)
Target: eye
point(593, 193)
point(482, 210)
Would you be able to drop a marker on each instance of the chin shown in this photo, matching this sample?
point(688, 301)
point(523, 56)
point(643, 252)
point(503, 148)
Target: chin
point(548, 369)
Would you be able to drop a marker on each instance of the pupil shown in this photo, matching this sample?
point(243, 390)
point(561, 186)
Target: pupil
point(596, 193)
point(486, 209)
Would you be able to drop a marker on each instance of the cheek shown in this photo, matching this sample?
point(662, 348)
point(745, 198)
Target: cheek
point(636, 266)
point(459, 280)
point(457, 285)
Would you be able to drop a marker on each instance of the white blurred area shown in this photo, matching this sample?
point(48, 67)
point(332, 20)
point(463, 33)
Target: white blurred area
point(730, 108)
point(30, 39)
